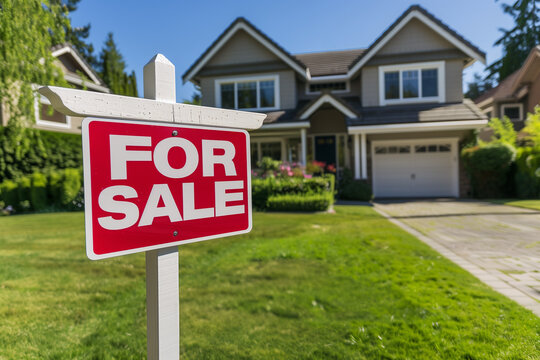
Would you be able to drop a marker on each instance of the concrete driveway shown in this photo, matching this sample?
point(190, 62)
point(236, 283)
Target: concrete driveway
point(498, 244)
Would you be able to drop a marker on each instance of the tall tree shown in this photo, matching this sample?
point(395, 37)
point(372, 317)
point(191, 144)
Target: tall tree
point(518, 41)
point(478, 86)
point(113, 70)
point(76, 36)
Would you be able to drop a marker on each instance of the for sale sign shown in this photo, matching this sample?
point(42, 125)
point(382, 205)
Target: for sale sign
point(152, 185)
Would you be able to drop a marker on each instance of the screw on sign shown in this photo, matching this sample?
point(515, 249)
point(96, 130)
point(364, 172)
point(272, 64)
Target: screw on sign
point(150, 185)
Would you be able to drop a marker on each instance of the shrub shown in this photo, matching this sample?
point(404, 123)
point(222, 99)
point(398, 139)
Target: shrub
point(45, 150)
point(352, 189)
point(488, 167)
point(263, 189)
point(69, 187)
point(297, 202)
point(9, 193)
point(24, 184)
point(527, 176)
point(38, 191)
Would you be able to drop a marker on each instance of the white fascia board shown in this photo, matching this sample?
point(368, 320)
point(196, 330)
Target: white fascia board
point(414, 127)
point(416, 14)
point(91, 85)
point(295, 125)
point(68, 49)
point(327, 99)
point(223, 41)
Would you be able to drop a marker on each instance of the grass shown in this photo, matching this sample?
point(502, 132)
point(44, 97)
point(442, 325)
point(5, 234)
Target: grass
point(528, 204)
point(348, 285)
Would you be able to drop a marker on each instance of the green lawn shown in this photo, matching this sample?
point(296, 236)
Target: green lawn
point(348, 285)
point(528, 204)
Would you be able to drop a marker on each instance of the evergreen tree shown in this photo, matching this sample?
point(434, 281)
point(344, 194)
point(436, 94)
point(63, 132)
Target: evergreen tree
point(112, 70)
point(76, 36)
point(519, 40)
point(478, 86)
point(195, 97)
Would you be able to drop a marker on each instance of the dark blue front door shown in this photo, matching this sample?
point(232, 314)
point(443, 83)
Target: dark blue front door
point(325, 149)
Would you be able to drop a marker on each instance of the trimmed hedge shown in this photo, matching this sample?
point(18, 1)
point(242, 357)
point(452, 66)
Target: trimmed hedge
point(352, 189)
point(296, 202)
point(46, 150)
point(527, 176)
point(57, 190)
point(263, 189)
point(489, 167)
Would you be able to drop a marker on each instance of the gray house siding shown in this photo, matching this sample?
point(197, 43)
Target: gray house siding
point(370, 86)
point(242, 48)
point(454, 80)
point(415, 37)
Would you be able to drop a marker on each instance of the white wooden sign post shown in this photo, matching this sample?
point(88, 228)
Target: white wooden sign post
point(162, 280)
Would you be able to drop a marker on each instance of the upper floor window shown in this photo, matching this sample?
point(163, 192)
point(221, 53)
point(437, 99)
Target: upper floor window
point(411, 83)
point(248, 93)
point(513, 111)
point(337, 86)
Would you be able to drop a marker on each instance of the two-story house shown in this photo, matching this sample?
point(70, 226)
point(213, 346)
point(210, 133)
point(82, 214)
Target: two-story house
point(394, 112)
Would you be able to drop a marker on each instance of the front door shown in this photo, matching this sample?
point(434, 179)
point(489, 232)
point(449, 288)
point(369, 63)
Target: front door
point(325, 149)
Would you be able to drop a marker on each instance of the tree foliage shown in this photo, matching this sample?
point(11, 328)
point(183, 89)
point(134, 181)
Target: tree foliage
point(478, 86)
point(27, 31)
point(113, 70)
point(503, 131)
point(76, 36)
point(518, 41)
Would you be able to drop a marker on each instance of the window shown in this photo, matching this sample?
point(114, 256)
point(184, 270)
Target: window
point(513, 111)
point(431, 148)
point(46, 115)
point(271, 149)
point(332, 86)
point(419, 82)
point(402, 149)
point(248, 93)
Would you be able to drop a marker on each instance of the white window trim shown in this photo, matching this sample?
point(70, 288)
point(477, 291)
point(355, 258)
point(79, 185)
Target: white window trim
point(38, 100)
point(347, 87)
point(236, 80)
point(439, 65)
point(519, 105)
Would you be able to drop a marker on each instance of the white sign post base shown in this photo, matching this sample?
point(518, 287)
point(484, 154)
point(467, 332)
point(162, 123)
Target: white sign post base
point(162, 284)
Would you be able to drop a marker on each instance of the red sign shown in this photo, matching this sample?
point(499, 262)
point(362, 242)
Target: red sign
point(153, 185)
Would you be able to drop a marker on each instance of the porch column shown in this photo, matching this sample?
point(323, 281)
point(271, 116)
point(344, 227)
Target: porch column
point(304, 146)
point(283, 150)
point(364, 155)
point(259, 150)
point(356, 138)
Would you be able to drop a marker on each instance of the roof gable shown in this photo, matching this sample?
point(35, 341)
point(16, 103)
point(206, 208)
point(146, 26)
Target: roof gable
point(238, 25)
point(244, 46)
point(326, 98)
point(420, 14)
point(73, 62)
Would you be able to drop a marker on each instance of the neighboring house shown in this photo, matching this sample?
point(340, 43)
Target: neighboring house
point(516, 95)
point(393, 113)
point(79, 74)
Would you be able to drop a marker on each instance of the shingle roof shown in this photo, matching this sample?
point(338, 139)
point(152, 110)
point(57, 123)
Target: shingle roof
point(329, 62)
point(413, 113)
point(501, 91)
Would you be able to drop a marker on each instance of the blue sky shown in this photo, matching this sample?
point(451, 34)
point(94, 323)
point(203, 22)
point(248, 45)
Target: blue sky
point(182, 30)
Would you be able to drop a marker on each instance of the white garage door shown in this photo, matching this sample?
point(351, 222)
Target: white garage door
point(415, 168)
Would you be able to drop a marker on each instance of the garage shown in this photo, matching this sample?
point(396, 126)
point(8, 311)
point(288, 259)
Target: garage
point(415, 168)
